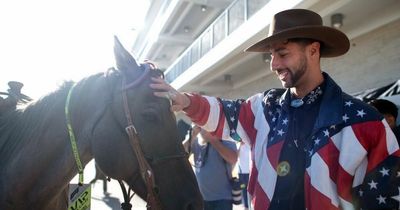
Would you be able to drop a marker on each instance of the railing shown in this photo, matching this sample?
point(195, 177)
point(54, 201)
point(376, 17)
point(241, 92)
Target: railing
point(229, 20)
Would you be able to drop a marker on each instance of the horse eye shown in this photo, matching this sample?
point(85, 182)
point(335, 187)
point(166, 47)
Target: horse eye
point(151, 116)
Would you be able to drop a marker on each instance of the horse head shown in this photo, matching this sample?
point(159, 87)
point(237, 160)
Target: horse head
point(131, 101)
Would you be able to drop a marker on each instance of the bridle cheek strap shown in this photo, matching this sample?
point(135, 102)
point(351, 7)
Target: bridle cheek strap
point(153, 200)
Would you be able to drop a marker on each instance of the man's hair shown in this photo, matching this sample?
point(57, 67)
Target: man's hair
point(385, 106)
point(306, 41)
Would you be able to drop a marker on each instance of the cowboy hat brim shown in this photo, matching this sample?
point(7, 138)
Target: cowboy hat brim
point(334, 42)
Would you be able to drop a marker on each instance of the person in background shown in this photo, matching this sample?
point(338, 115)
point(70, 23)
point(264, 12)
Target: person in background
point(183, 129)
point(14, 97)
point(390, 112)
point(244, 170)
point(313, 146)
point(213, 161)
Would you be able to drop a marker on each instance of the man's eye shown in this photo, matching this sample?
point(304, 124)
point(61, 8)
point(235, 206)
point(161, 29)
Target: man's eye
point(282, 54)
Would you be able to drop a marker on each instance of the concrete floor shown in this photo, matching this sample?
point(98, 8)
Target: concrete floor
point(112, 200)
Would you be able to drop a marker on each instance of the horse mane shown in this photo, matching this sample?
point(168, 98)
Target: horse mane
point(25, 124)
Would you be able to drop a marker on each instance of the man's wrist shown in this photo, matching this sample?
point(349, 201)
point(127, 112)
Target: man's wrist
point(186, 100)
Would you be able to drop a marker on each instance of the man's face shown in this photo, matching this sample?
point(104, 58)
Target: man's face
point(289, 62)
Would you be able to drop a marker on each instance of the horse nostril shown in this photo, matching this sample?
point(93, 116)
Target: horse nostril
point(156, 190)
point(189, 206)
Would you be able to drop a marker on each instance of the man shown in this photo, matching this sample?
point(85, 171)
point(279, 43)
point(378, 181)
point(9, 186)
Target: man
point(213, 161)
point(390, 112)
point(313, 146)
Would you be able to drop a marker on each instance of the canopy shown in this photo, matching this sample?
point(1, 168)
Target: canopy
point(385, 92)
point(389, 92)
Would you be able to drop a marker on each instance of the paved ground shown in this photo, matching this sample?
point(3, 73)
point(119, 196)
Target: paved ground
point(112, 200)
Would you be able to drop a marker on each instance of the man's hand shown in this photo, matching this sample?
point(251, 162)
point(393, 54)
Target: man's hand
point(195, 130)
point(179, 101)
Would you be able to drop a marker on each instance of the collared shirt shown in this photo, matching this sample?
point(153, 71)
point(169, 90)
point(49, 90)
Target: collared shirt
point(301, 122)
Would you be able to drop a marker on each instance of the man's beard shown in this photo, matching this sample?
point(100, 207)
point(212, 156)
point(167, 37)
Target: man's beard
point(295, 74)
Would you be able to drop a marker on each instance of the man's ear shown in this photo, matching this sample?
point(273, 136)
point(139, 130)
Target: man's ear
point(315, 49)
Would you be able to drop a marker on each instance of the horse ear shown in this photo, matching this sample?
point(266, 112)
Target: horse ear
point(123, 59)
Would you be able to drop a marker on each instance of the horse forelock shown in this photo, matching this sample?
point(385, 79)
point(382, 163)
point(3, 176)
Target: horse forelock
point(145, 70)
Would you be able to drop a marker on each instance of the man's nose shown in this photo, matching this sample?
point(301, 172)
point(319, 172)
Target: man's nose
point(274, 63)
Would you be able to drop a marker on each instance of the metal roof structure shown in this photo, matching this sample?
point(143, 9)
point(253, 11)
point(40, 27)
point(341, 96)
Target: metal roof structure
point(199, 43)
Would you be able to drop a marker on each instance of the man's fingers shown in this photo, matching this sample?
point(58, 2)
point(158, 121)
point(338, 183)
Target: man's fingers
point(164, 90)
point(157, 79)
point(161, 89)
point(159, 84)
point(162, 95)
point(176, 108)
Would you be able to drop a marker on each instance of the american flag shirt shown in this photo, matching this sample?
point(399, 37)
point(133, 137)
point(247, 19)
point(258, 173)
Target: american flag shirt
point(352, 155)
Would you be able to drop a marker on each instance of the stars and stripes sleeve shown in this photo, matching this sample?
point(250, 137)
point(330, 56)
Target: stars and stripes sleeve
point(376, 184)
point(228, 119)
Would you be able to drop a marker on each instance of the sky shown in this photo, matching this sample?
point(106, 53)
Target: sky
point(46, 42)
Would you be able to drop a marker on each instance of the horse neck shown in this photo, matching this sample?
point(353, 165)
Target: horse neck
point(45, 156)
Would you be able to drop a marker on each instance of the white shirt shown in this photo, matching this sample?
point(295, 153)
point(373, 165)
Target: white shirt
point(244, 159)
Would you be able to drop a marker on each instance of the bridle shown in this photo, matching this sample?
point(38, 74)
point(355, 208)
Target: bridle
point(153, 200)
point(146, 172)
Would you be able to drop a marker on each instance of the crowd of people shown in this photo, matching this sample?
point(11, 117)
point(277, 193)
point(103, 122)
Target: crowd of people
point(312, 145)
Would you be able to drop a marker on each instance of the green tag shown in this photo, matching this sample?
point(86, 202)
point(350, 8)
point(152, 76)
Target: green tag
point(79, 197)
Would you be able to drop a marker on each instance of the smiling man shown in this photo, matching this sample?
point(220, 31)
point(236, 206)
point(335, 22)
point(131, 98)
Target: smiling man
point(313, 146)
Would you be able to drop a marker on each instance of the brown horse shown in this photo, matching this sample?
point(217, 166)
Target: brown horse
point(36, 159)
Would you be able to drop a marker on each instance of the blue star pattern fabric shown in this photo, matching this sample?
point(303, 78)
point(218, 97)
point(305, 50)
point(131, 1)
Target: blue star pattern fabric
point(352, 156)
point(231, 111)
point(382, 187)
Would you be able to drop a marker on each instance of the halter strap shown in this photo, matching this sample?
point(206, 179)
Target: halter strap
point(72, 137)
point(147, 68)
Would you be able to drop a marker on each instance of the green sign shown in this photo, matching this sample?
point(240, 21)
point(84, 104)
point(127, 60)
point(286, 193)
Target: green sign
point(79, 197)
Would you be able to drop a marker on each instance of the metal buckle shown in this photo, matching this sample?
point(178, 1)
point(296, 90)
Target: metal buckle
point(130, 127)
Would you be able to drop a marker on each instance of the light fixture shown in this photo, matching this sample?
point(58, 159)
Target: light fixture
point(186, 29)
point(227, 77)
point(337, 20)
point(266, 57)
point(203, 8)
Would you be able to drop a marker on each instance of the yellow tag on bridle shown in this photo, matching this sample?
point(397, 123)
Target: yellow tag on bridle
point(79, 197)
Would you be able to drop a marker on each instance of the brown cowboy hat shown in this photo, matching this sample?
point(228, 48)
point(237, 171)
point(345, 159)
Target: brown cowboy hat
point(302, 23)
